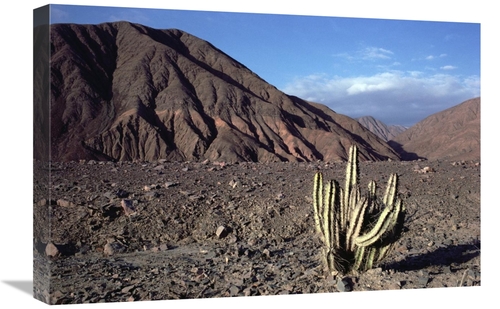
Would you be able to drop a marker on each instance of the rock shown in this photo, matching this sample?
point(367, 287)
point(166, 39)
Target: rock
point(128, 207)
point(473, 274)
point(233, 183)
point(375, 271)
point(64, 203)
point(266, 254)
point(150, 195)
point(127, 289)
point(169, 184)
point(344, 285)
point(159, 167)
point(234, 290)
point(279, 197)
point(56, 296)
point(423, 280)
point(113, 247)
point(446, 269)
point(51, 250)
point(428, 169)
point(221, 232)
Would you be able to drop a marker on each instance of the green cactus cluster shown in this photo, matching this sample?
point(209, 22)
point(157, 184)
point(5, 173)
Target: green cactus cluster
point(357, 231)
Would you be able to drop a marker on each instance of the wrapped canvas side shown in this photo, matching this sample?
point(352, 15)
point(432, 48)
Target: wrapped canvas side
point(41, 155)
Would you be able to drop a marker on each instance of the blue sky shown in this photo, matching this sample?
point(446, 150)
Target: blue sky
point(398, 71)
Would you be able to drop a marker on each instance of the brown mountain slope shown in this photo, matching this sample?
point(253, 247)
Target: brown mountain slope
point(122, 91)
point(452, 134)
point(385, 132)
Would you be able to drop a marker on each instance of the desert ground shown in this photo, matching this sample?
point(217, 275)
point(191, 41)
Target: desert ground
point(137, 231)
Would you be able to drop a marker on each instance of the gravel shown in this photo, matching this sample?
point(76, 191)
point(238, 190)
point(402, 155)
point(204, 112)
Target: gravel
point(137, 231)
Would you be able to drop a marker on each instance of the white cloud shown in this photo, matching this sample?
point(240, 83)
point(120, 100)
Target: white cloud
point(394, 97)
point(415, 73)
point(367, 53)
point(376, 53)
point(430, 57)
point(448, 67)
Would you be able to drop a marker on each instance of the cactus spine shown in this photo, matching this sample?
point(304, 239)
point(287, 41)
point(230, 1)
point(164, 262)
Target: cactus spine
point(357, 231)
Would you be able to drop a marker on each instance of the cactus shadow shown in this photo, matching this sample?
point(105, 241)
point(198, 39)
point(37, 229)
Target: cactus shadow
point(443, 256)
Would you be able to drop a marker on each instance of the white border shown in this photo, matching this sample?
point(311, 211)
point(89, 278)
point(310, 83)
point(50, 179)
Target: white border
point(16, 150)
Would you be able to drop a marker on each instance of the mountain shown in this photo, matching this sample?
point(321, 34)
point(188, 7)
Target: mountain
point(123, 91)
point(385, 132)
point(452, 134)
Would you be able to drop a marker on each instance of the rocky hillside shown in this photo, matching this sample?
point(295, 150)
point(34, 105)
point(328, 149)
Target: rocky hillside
point(385, 132)
point(122, 91)
point(452, 134)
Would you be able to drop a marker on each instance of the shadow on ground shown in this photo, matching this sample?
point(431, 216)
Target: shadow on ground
point(440, 257)
point(24, 286)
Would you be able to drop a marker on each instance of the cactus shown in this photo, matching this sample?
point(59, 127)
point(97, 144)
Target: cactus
point(357, 231)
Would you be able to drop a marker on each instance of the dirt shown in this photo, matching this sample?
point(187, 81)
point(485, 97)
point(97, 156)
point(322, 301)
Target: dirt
point(136, 231)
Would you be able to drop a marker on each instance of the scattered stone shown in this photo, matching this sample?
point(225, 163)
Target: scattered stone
point(151, 195)
point(56, 297)
point(128, 207)
point(344, 285)
point(473, 274)
point(266, 253)
point(254, 258)
point(423, 280)
point(127, 289)
point(64, 203)
point(51, 250)
point(234, 290)
point(160, 167)
point(279, 197)
point(113, 247)
point(233, 183)
point(220, 164)
point(425, 170)
point(169, 184)
point(221, 232)
point(374, 271)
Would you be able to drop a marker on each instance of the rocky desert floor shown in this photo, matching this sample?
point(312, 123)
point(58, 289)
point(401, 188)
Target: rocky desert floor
point(137, 231)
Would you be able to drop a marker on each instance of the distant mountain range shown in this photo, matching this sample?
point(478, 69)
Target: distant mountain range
point(123, 91)
point(385, 132)
point(452, 134)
